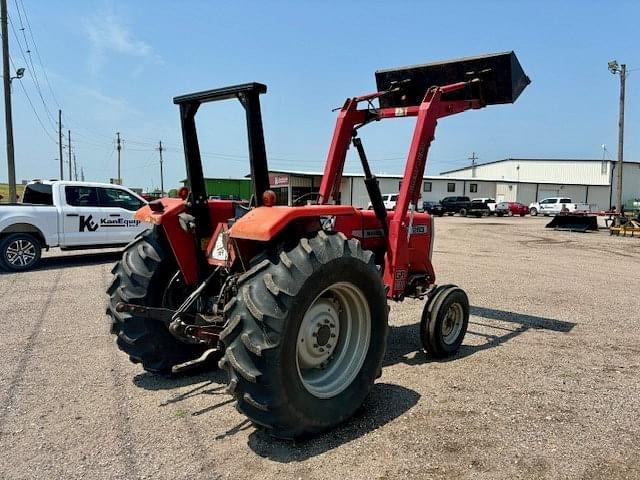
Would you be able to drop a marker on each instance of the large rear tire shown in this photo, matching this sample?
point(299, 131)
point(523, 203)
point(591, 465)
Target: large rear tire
point(306, 336)
point(147, 275)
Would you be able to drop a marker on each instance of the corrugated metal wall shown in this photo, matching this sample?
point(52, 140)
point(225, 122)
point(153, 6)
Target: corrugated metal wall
point(541, 171)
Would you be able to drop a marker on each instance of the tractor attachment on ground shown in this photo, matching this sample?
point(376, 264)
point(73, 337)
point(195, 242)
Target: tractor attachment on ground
point(293, 300)
point(574, 222)
point(625, 226)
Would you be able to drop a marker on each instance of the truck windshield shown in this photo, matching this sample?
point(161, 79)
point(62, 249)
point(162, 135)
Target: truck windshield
point(38, 194)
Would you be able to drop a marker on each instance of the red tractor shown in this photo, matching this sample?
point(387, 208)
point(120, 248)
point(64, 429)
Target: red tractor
point(292, 301)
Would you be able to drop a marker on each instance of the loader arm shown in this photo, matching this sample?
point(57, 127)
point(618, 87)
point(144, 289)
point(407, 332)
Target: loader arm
point(432, 108)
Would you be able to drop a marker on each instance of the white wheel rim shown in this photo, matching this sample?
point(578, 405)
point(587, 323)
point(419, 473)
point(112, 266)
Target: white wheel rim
point(20, 253)
point(333, 340)
point(452, 323)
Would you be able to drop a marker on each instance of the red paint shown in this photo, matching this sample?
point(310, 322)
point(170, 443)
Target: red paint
point(404, 256)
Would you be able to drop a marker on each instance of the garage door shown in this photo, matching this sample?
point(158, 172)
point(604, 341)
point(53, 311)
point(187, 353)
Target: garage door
point(542, 194)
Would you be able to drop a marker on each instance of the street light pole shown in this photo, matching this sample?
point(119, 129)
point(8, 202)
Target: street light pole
point(622, 71)
point(11, 168)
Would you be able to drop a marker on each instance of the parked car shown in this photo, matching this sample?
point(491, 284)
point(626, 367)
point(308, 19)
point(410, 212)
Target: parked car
point(433, 208)
point(554, 205)
point(480, 207)
point(453, 205)
point(69, 215)
point(511, 208)
point(389, 200)
point(490, 202)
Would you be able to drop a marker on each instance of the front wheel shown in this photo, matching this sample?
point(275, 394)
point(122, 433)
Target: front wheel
point(463, 212)
point(533, 212)
point(444, 321)
point(306, 336)
point(19, 252)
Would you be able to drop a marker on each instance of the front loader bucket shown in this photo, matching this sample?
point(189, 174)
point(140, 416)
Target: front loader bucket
point(503, 83)
point(574, 223)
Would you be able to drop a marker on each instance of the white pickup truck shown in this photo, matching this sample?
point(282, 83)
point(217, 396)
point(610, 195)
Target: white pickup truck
point(555, 205)
point(69, 215)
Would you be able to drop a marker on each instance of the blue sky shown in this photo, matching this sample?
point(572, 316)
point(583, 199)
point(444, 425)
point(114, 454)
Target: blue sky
point(115, 66)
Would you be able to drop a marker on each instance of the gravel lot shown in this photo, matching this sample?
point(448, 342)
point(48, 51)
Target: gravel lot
point(546, 384)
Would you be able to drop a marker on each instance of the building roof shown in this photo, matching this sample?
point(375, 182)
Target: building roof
point(425, 177)
point(534, 160)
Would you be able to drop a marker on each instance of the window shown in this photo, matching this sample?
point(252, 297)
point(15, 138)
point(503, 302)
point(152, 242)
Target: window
point(547, 201)
point(114, 197)
point(473, 188)
point(426, 187)
point(394, 198)
point(81, 196)
point(38, 194)
point(565, 200)
point(451, 187)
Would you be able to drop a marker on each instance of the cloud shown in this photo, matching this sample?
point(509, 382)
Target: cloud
point(107, 35)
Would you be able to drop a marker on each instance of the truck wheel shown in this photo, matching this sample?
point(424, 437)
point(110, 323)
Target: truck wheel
point(19, 252)
point(444, 322)
point(463, 212)
point(533, 212)
point(147, 275)
point(306, 336)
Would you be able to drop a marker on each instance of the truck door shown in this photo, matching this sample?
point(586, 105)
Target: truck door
point(81, 217)
point(120, 206)
point(546, 205)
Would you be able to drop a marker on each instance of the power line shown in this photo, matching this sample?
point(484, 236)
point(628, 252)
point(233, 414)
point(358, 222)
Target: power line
point(34, 75)
point(34, 108)
point(35, 46)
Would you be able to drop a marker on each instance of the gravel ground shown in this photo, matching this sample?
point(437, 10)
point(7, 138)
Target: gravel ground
point(546, 384)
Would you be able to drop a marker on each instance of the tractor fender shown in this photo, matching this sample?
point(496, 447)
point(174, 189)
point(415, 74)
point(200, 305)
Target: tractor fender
point(265, 223)
point(180, 241)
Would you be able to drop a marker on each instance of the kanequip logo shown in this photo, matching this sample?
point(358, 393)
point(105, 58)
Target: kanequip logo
point(87, 223)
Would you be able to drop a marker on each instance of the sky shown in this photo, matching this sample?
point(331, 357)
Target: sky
point(114, 66)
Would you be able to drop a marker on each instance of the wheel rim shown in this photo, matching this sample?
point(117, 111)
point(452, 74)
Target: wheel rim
point(20, 253)
point(452, 324)
point(333, 340)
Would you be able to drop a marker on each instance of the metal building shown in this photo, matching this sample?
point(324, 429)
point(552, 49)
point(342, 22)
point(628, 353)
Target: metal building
point(527, 179)
point(523, 180)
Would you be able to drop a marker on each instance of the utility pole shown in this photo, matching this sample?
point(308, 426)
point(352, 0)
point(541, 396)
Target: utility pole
point(622, 71)
point(82, 174)
point(75, 168)
point(60, 143)
point(473, 159)
point(161, 174)
point(119, 148)
point(70, 165)
point(11, 168)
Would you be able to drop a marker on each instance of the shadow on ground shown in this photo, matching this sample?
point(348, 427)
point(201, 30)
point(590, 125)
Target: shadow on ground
point(204, 380)
point(385, 403)
point(405, 340)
